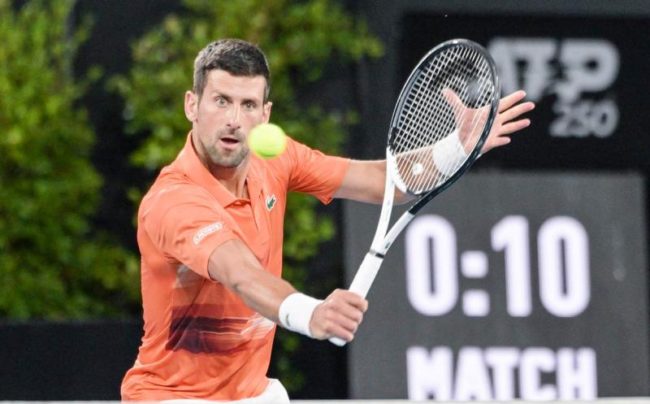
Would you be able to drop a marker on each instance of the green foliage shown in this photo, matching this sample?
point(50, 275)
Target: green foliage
point(52, 265)
point(300, 39)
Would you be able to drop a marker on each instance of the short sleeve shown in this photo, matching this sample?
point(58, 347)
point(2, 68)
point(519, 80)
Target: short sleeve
point(314, 172)
point(186, 225)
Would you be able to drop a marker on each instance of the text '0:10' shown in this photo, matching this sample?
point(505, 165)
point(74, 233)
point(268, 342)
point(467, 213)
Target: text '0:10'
point(432, 267)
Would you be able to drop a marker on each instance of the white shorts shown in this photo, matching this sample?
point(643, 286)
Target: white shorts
point(274, 393)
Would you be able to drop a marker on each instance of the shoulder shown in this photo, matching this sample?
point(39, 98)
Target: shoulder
point(170, 190)
point(300, 157)
point(281, 167)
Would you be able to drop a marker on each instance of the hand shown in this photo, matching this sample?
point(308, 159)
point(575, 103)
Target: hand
point(338, 316)
point(505, 123)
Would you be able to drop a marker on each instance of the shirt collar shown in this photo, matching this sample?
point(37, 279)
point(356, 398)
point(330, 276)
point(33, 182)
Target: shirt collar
point(191, 166)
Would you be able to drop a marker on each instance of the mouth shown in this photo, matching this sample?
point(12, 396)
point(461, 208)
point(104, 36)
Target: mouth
point(229, 141)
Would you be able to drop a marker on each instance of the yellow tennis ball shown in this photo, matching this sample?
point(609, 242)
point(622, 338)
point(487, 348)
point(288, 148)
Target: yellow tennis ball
point(267, 140)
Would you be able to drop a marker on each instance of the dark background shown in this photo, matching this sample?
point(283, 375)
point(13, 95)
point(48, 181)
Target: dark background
point(614, 322)
point(86, 361)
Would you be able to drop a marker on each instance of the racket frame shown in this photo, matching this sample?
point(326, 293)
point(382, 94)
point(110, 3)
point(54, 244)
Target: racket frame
point(382, 239)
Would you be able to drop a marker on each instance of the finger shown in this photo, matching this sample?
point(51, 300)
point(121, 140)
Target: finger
point(512, 127)
point(347, 323)
point(341, 333)
point(359, 304)
point(516, 111)
point(329, 320)
point(353, 299)
point(346, 303)
point(511, 99)
point(340, 325)
point(496, 142)
point(348, 311)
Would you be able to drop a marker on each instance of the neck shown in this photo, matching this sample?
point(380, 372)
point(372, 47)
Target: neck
point(233, 179)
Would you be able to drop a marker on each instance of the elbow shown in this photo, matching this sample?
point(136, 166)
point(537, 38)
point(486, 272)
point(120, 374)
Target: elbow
point(235, 281)
point(239, 285)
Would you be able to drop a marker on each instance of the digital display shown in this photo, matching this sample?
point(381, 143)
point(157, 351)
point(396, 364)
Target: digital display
point(508, 286)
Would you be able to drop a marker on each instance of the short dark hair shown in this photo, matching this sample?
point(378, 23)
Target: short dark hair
point(235, 56)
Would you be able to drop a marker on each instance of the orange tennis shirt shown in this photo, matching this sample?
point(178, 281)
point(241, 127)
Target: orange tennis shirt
point(200, 340)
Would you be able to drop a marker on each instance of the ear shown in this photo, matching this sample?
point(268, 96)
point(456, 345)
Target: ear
point(191, 106)
point(266, 113)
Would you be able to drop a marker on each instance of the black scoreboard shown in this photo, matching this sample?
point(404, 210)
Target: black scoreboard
point(528, 278)
point(508, 285)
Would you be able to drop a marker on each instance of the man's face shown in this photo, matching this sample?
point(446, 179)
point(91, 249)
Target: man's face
point(224, 115)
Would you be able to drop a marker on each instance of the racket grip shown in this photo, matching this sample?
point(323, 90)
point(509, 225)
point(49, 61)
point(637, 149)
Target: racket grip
point(337, 341)
point(362, 282)
point(366, 274)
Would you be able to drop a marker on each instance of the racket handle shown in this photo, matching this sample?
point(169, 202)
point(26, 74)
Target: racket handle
point(362, 281)
point(337, 341)
point(366, 274)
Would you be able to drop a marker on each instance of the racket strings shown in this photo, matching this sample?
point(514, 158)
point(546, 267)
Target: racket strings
point(427, 117)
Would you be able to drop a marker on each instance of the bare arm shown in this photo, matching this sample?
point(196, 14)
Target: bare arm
point(234, 265)
point(365, 180)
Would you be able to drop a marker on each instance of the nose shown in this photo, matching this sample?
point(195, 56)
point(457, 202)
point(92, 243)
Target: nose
point(234, 117)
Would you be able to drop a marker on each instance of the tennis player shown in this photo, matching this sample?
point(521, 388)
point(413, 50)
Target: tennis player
point(210, 233)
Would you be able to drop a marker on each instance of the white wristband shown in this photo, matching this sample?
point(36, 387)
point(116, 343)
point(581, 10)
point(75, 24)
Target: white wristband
point(449, 154)
point(296, 311)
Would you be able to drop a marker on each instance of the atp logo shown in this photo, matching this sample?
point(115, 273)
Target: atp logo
point(581, 73)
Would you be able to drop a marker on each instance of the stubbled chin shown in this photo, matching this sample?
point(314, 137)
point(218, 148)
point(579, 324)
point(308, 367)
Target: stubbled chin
point(228, 157)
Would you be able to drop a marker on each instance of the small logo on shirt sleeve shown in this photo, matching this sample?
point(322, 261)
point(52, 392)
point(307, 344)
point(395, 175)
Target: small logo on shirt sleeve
point(206, 231)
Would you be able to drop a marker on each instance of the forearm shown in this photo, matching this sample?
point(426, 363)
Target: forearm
point(365, 182)
point(237, 268)
point(264, 293)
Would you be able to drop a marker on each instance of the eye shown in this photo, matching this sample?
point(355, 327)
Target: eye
point(250, 105)
point(220, 101)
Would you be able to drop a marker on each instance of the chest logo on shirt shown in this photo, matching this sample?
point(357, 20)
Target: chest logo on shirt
point(206, 231)
point(270, 202)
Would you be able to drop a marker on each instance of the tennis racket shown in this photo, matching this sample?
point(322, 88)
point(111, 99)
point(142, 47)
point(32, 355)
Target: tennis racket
point(441, 120)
